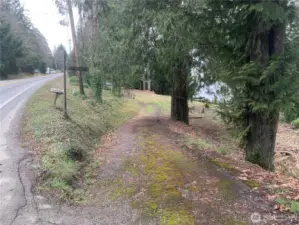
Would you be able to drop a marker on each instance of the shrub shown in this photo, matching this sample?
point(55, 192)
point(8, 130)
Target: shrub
point(85, 85)
point(295, 123)
point(291, 113)
point(74, 80)
point(222, 150)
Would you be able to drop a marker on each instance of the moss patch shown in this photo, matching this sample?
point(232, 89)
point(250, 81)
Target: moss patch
point(225, 188)
point(123, 190)
point(163, 173)
point(252, 184)
point(233, 171)
point(176, 217)
point(225, 166)
point(233, 221)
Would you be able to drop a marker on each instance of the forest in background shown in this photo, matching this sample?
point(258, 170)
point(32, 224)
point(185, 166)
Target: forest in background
point(23, 47)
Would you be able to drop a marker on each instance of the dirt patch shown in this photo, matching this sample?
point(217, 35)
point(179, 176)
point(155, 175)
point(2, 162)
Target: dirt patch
point(287, 150)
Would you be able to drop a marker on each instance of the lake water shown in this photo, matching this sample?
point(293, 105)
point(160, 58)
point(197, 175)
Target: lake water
point(209, 92)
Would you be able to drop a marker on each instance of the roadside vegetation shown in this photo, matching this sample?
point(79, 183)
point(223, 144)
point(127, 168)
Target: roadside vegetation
point(65, 147)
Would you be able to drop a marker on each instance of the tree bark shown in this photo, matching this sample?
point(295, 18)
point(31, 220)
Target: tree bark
point(261, 137)
point(80, 80)
point(179, 95)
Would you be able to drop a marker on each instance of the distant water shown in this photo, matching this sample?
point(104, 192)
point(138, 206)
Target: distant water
point(209, 92)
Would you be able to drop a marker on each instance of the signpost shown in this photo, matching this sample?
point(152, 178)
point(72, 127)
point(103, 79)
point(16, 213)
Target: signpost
point(64, 85)
point(60, 92)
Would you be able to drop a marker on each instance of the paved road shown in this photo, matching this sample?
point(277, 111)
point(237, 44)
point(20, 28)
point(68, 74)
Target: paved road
point(13, 96)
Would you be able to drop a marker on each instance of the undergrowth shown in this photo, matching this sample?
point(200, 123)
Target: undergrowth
point(292, 206)
point(66, 145)
point(295, 123)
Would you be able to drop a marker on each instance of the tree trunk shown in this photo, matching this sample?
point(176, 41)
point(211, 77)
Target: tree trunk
point(82, 45)
point(179, 95)
point(81, 87)
point(261, 137)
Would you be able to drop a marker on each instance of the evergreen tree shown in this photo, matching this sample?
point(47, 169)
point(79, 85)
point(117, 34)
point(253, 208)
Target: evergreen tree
point(58, 56)
point(252, 46)
point(11, 49)
point(36, 52)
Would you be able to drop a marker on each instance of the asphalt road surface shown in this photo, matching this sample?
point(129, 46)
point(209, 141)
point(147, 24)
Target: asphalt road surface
point(13, 96)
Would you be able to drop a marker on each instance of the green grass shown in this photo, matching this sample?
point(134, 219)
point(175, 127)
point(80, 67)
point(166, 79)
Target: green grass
point(162, 101)
point(293, 206)
point(196, 143)
point(150, 109)
point(74, 81)
point(66, 146)
point(222, 150)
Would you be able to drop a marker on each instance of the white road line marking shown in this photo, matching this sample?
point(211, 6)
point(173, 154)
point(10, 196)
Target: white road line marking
point(15, 96)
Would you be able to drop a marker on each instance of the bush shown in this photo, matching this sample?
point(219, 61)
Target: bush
point(74, 80)
point(85, 85)
point(291, 113)
point(295, 123)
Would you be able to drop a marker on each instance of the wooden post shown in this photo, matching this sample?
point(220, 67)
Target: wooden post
point(55, 100)
point(64, 85)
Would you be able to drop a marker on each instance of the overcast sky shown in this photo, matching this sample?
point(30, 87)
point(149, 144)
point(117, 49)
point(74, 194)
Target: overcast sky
point(45, 17)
